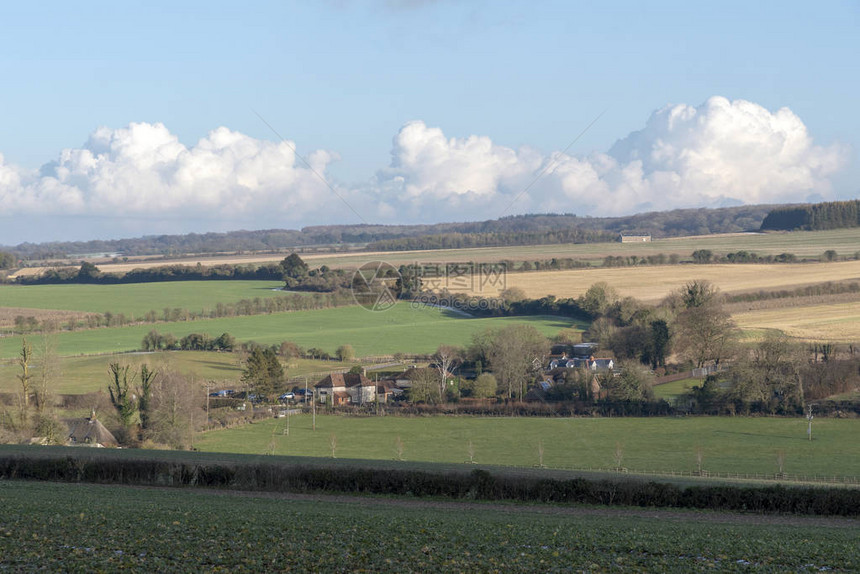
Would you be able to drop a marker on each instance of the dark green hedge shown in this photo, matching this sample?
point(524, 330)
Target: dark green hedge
point(478, 484)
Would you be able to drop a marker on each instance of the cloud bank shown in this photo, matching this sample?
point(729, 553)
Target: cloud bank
point(719, 153)
point(143, 170)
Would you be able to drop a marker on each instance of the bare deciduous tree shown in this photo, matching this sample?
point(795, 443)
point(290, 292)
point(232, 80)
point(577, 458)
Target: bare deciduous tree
point(48, 371)
point(447, 357)
point(705, 332)
point(425, 387)
point(470, 450)
point(332, 442)
point(516, 354)
point(144, 402)
point(399, 447)
point(176, 404)
point(25, 358)
point(618, 455)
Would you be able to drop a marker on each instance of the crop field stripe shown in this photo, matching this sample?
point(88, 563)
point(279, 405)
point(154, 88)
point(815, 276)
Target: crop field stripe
point(98, 528)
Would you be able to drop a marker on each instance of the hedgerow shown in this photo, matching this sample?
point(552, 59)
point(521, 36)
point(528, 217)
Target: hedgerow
point(479, 484)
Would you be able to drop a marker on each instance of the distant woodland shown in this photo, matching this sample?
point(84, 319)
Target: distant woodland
point(512, 230)
point(814, 217)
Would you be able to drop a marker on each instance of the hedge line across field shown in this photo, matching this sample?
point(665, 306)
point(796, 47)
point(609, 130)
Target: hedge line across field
point(478, 484)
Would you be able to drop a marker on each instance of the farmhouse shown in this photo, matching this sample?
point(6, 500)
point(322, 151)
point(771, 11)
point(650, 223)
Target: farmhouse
point(583, 358)
point(90, 432)
point(601, 364)
point(635, 238)
point(346, 388)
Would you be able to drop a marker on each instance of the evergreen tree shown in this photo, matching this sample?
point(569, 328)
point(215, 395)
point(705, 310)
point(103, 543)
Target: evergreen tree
point(121, 396)
point(263, 372)
point(294, 267)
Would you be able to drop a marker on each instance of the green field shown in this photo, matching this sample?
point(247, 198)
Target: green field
point(729, 444)
point(399, 329)
point(670, 391)
point(89, 528)
point(87, 374)
point(78, 375)
point(136, 298)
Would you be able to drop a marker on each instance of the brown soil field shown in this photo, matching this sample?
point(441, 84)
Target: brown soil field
point(652, 283)
point(838, 322)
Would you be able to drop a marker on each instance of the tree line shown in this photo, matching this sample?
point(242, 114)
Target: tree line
point(492, 239)
point(88, 273)
point(155, 341)
point(673, 223)
point(292, 270)
point(814, 217)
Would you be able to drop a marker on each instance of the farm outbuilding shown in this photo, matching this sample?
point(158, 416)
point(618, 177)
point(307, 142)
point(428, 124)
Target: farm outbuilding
point(90, 432)
point(635, 238)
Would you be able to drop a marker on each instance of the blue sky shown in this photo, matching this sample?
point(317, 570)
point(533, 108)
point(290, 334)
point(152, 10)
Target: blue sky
point(414, 111)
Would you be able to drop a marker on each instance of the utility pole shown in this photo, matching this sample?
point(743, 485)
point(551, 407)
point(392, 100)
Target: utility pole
point(208, 391)
point(313, 406)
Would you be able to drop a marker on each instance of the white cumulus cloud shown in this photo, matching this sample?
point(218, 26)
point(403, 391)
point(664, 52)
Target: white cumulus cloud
point(143, 170)
point(719, 153)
